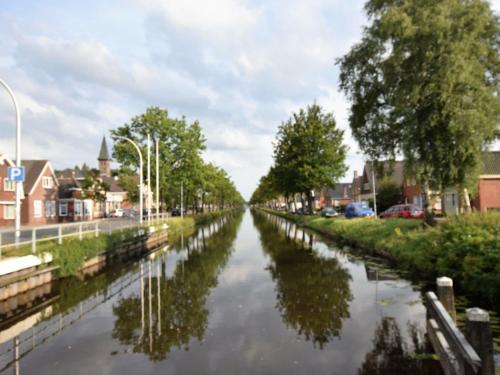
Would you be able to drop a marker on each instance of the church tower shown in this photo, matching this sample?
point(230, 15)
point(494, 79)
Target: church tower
point(104, 160)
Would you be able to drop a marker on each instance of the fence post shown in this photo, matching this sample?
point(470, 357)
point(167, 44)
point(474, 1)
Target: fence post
point(33, 241)
point(80, 231)
point(446, 295)
point(59, 234)
point(97, 229)
point(478, 333)
point(0, 245)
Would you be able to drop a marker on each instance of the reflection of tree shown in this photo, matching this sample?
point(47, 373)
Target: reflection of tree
point(390, 354)
point(313, 292)
point(182, 314)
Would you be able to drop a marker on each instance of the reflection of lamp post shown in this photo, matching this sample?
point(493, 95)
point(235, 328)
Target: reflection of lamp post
point(140, 173)
point(18, 158)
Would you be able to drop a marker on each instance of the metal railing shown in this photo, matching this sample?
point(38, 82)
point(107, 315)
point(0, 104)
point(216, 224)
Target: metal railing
point(57, 232)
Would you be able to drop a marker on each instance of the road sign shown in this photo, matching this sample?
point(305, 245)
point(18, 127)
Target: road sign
point(16, 174)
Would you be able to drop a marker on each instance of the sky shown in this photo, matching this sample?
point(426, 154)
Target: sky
point(240, 67)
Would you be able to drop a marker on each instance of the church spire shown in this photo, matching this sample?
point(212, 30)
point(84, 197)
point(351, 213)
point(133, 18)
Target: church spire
point(103, 153)
point(104, 160)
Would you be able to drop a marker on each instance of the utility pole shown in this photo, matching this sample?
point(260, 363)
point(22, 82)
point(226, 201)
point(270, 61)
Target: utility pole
point(157, 180)
point(374, 192)
point(149, 179)
point(182, 199)
point(19, 184)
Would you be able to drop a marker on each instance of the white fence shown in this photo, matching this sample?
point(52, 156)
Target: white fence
point(57, 232)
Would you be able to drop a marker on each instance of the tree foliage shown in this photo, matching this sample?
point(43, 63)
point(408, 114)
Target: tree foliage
point(309, 154)
point(424, 83)
point(180, 160)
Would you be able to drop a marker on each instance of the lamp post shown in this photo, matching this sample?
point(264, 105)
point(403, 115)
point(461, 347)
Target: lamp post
point(374, 192)
point(157, 180)
point(149, 179)
point(140, 173)
point(18, 158)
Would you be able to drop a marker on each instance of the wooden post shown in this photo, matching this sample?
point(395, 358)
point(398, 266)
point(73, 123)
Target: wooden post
point(478, 333)
point(33, 241)
point(97, 229)
point(80, 231)
point(446, 295)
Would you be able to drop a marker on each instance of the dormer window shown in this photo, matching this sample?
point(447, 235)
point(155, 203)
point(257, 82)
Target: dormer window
point(47, 182)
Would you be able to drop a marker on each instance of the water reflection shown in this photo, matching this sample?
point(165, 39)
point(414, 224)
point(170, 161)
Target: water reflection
point(392, 355)
point(313, 291)
point(171, 311)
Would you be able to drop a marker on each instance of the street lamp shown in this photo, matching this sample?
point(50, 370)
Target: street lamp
point(18, 157)
point(140, 173)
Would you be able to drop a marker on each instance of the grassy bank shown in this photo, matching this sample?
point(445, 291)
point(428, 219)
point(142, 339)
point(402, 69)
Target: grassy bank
point(465, 248)
point(71, 255)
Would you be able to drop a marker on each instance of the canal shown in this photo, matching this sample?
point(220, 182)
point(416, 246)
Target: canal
point(251, 295)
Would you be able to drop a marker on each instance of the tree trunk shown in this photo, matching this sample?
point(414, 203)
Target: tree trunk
point(429, 218)
point(310, 202)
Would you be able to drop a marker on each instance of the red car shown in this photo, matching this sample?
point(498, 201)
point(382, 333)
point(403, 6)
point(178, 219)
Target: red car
point(406, 211)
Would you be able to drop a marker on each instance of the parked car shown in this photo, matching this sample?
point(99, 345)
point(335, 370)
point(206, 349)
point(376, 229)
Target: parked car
point(358, 209)
point(117, 213)
point(329, 212)
point(129, 213)
point(175, 212)
point(406, 211)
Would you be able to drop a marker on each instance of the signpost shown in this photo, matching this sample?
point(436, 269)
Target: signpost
point(16, 174)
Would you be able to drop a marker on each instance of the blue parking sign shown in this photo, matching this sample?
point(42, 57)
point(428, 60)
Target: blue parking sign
point(15, 174)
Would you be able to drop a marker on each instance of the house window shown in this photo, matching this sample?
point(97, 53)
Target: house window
point(87, 207)
point(50, 208)
point(9, 211)
point(9, 185)
point(63, 209)
point(37, 209)
point(78, 208)
point(47, 182)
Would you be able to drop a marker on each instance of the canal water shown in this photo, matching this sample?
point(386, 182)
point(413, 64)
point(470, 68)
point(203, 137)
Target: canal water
point(252, 294)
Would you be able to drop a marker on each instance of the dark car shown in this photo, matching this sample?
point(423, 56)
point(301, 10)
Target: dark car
point(405, 211)
point(329, 212)
point(176, 212)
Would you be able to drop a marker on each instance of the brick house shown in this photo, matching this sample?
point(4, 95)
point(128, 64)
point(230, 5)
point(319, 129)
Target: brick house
point(395, 171)
point(338, 196)
point(487, 197)
point(7, 193)
point(39, 205)
point(72, 204)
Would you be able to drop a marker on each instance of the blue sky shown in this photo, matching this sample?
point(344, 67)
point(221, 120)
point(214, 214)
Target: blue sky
point(240, 67)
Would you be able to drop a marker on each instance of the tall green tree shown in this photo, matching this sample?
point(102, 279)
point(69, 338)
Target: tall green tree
point(424, 83)
point(309, 153)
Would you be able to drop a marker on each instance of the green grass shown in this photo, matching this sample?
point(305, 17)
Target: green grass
point(465, 248)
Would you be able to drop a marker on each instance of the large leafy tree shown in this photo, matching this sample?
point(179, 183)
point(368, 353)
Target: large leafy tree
point(424, 83)
point(180, 162)
point(309, 153)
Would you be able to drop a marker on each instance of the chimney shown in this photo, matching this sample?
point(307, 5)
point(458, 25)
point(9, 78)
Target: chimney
point(355, 174)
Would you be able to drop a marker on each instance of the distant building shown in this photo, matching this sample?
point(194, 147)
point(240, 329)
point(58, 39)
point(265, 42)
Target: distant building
point(7, 193)
point(338, 196)
point(39, 205)
point(73, 206)
point(116, 197)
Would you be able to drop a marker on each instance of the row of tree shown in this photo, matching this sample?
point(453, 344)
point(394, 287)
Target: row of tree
point(424, 83)
point(180, 145)
point(309, 154)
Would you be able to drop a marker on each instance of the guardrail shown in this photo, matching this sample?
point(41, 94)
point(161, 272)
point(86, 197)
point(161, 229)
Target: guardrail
point(460, 354)
point(57, 232)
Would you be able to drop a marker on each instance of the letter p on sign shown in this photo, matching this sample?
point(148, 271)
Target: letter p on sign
point(16, 174)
